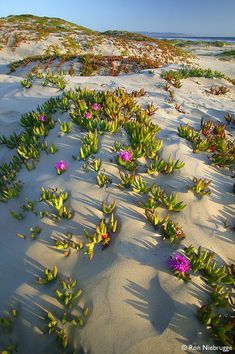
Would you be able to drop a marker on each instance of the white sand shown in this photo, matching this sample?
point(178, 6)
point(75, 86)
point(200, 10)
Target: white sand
point(208, 57)
point(137, 305)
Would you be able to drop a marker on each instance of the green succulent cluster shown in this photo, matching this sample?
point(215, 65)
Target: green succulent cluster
point(166, 167)
point(170, 229)
point(66, 243)
point(48, 276)
point(28, 146)
point(102, 179)
point(27, 83)
point(65, 127)
point(89, 145)
point(174, 77)
point(218, 314)
point(103, 233)
point(200, 186)
point(56, 201)
point(68, 294)
point(210, 138)
point(170, 202)
point(126, 179)
point(48, 79)
point(95, 164)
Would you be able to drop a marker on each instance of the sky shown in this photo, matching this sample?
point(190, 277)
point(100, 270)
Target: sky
point(192, 17)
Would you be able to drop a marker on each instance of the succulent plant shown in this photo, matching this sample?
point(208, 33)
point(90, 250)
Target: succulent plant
point(66, 242)
point(151, 109)
point(11, 191)
point(229, 118)
point(56, 200)
point(61, 166)
point(188, 133)
point(166, 167)
point(139, 93)
point(220, 296)
point(95, 164)
point(156, 192)
point(171, 202)
point(180, 266)
point(173, 231)
point(200, 186)
point(112, 223)
point(108, 208)
point(12, 141)
point(89, 145)
point(207, 316)
point(127, 179)
point(102, 179)
point(218, 90)
point(65, 127)
point(29, 206)
point(68, 294)
point(139, 185)
point(27, 83)
point(150, 204)
point(224, 159)
point(126, 159)
point(49, 276)
point(52, 79)
point(62, 338)
point(202, 260)
point(17, 216)
point(179, 108)
point(52, 323)
point(153, 217)
point(34, 231)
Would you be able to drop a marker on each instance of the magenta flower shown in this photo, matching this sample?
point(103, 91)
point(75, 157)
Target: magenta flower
point(179, 263)
point(42, 118)
point(87, 115)
point(61, 166)
point(96, 106)
point(125, 155)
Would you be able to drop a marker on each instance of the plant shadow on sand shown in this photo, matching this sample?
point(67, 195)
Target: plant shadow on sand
point(33, 309)
point(222, 195)
point(155, 305)
point(33, 304)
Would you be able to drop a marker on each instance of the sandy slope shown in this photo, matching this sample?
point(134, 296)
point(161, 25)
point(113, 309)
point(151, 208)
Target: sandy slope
point(137, 305)
point(209, 58)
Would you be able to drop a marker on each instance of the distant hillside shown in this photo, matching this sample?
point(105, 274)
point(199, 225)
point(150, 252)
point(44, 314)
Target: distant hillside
point(29, 37)
point(164, 34)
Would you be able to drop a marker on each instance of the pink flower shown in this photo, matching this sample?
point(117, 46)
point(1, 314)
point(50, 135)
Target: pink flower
point(42, 118)
point(179, 263)
point(87, 115)
point(125, 155)
point(96, 106)
point(61, 166)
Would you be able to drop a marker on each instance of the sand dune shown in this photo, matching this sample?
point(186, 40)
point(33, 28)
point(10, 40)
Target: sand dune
point(136, 305)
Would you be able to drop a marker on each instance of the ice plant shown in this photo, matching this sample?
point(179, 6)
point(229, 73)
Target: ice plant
point(96, 106)
point(87, 115)
point(125, 155)
point(42, 118)
point(61, 166)
point(180, 265)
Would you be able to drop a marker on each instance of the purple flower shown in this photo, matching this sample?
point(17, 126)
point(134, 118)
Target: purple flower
point(96, 106)
point(125, 155)
point(60, 166)
point(179, 263)
point(87, 115)
point(42, 118)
